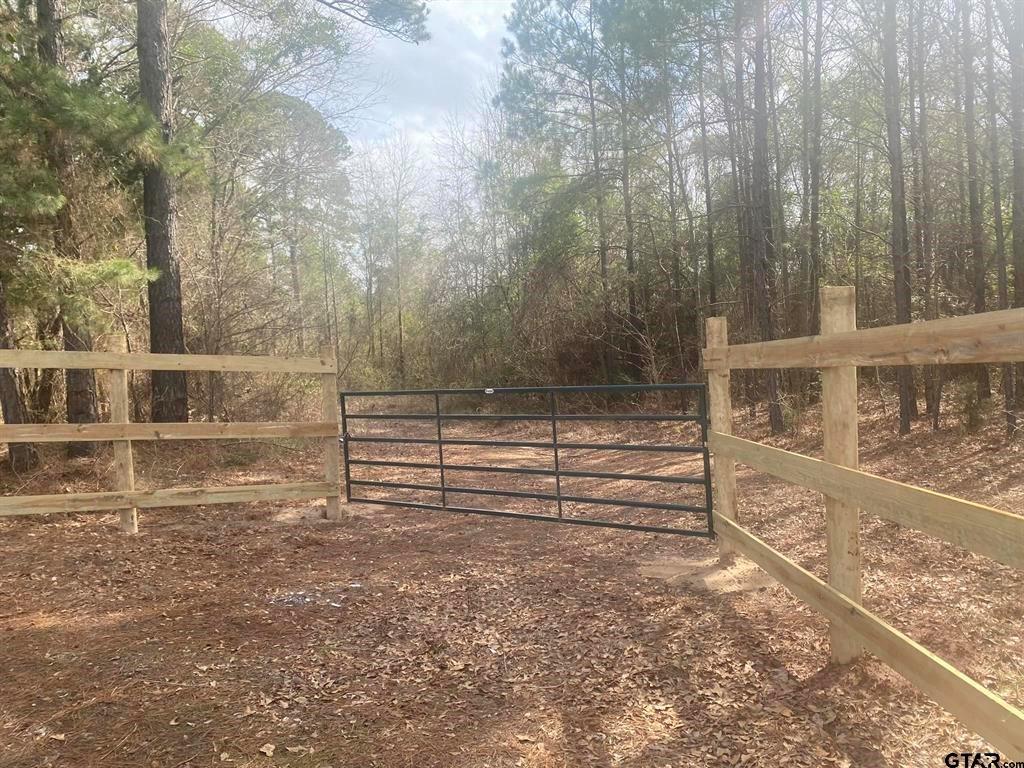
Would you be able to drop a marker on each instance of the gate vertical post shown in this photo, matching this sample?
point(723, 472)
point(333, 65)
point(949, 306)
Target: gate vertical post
point(720, 410)
point(553, 408)
point(329, 412)
point(124, 463)
point(839, 425)
point(702, 405)
point(440, 448)
point(345, 448)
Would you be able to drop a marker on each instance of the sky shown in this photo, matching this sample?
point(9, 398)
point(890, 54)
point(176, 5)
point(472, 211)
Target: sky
point(422, 84)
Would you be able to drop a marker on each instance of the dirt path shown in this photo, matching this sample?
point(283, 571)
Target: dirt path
point(430, 639)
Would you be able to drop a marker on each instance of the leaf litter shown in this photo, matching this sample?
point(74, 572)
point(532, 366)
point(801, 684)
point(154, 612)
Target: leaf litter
point(260, 635)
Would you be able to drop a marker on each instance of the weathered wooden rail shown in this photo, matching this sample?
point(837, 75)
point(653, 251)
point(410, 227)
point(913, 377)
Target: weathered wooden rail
point(992, 337)
point(122, 433)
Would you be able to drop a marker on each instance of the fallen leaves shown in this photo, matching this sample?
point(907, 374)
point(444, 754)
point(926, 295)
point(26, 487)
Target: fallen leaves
point(404, 638)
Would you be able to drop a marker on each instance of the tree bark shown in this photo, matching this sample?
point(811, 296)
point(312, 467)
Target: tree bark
point(1015, 32)
point(1008, 377)
point(369, 266)
point(675, 241)
point(925, 264)
point(20, 456)
point(900, 245)
point(744, 210)
point(815, 173)
point(973, 174)
point(398, 287)
point(745, 236)
point(40, 393)
point(608, 361)
point(296, 287)
point(80, 389)
point(732, 127)
point(166, 333)
point(783, 297)
point(709, 223)
point(858, 218)
point(764, 244)
point(635, 330)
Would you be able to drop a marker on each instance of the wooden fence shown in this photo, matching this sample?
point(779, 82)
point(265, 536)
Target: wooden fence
point(122, 433)
point(992, 337)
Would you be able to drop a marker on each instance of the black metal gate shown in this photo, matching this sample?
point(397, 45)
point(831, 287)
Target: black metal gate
point(686, 392)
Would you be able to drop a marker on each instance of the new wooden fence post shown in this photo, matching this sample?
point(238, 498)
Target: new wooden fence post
point(124, 464)
point(329, 411)
point(839, 423)
point(720, 411)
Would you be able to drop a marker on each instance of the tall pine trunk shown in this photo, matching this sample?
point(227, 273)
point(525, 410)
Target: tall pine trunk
point(995, 169)
point(784, 298)
point(1015, 31)
point(80, 388)
point(814, 213)
point(397, 203)
point(634, 323)
point(764, 244)
point(709, 222)
point(166, 334)
point(973, 174)
point(920, 180)
point(744, 244)
point(675, 242)
point(732, 130)
point(608, 361)
point(900, 245)
point(925, 265)
point(20, 456)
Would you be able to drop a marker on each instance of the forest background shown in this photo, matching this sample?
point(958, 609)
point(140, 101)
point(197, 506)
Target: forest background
point(176, 176)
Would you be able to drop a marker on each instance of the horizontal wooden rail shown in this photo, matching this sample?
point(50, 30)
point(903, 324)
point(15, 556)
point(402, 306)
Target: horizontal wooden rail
point(63, 433)
point(989, 337)
point(978, 708)
point(31, 358)
point(975, 527)
point(11, 506)
point(122, 433)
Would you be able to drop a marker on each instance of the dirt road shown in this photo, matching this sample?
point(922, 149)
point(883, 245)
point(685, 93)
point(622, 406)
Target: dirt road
point(396, 638)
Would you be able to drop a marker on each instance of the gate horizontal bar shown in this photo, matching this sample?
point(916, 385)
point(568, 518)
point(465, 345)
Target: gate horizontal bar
point(632, 447)
point(434, 441)
point(396, 484)
point(405, 464)
point(396, 416)
point(463, 467)
point(527, 416)
point(555, 445)
point(530, 516)
point(594, 474)
point(592, 388)
point(679, 479)
point(531, 444)
point(532, 495)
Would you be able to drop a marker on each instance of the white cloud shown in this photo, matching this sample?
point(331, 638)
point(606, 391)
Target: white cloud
point(424, 83)
point(479, 16)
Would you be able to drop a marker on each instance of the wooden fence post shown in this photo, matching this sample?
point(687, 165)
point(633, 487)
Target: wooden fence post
point(124, 464)
point(329, 412)
point(720, 411)
point(839, 424)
